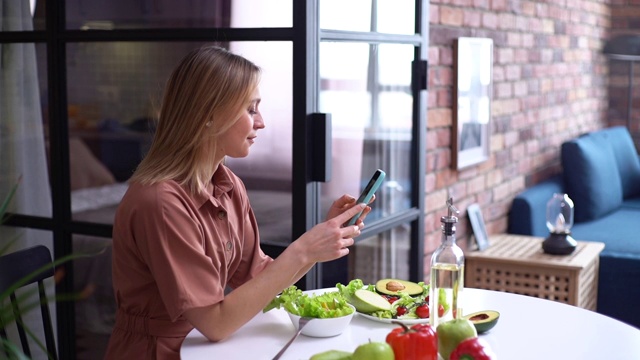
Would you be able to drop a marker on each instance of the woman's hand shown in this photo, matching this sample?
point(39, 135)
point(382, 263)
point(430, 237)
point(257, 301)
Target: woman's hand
point(346, 202)
point(329, 240)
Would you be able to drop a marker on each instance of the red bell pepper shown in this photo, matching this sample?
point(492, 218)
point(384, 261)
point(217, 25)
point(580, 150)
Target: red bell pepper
point(419, 342)
point(472, 349)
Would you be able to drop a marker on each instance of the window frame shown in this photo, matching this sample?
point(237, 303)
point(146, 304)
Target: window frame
point(306, 37)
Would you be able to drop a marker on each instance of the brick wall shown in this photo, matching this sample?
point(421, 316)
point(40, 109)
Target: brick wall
point(550, 84)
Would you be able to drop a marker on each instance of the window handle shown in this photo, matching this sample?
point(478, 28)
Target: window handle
point(319, 146)
point(420, 74)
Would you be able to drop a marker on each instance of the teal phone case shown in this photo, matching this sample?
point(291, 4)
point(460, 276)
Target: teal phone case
point(367, 193)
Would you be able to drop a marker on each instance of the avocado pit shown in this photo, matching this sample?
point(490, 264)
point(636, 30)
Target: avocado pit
point(479, 317)
point(484, 320)
point(395, 286)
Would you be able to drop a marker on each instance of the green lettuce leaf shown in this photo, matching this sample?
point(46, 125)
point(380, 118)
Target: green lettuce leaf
point(326, 305)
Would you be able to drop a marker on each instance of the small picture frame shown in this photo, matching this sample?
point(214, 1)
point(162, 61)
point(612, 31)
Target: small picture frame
point(477, 224)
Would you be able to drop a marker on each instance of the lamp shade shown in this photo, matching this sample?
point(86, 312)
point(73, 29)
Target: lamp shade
point(559, 222)
point(560, 214)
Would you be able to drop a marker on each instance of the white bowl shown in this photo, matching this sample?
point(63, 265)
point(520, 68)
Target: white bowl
point(323, 327)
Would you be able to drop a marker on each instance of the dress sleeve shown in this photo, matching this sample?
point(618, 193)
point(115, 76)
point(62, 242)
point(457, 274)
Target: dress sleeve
point(254, 260)
point(170, 238)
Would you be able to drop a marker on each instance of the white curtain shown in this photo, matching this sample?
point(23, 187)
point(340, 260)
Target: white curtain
point(22, 143)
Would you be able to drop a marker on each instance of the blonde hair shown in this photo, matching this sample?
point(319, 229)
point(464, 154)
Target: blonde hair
point(202, 99)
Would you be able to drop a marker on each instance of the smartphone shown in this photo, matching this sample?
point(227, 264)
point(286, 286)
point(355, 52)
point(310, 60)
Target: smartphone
point(367, 193)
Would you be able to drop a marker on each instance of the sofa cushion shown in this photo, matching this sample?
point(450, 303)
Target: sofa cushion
point(633, 203)
point(591, 177)
point(617, 230)
point(626, 157)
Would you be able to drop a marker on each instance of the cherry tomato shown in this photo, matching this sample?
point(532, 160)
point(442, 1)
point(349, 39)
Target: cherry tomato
point(391, 298)
point(401, 310)
point(440, 307)
point(423, 311)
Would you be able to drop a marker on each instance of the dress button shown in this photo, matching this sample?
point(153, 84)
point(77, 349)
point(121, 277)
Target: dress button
point(222, 215)
point(229, 246)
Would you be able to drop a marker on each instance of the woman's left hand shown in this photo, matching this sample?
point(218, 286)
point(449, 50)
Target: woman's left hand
point(346, 202)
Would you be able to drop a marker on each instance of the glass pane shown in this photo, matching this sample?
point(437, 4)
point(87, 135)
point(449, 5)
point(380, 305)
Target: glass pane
point(113, 92)
point(385, 255)
point(367, 89)
point(96, 312)
point(126, 14)
point(267, 171)
point(23, 137)
point(391, 17)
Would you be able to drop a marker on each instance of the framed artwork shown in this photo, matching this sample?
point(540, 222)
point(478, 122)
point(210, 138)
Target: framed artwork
point(473, 80)
point(477, 224)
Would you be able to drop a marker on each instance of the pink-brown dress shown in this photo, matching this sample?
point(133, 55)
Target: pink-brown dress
point(172, 252)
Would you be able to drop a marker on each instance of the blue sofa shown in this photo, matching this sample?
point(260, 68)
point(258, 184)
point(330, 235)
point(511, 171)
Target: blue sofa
point(601, 174)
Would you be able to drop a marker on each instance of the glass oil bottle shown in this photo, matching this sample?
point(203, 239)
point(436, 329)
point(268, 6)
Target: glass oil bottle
point(447, 272)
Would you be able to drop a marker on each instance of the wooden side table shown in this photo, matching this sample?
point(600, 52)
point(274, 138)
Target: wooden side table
point(517, 264)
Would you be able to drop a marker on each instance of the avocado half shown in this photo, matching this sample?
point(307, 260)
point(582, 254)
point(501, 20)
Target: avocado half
point(394, 286)
point(484, 320)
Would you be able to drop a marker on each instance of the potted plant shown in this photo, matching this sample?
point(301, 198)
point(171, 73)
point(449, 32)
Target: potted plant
point(26, 300)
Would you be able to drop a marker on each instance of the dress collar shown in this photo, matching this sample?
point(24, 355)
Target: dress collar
point(221, 183)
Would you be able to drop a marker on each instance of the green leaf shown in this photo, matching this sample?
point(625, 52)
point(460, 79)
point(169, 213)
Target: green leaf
point(12, 349)
point(7, 314)
point(326, 305)
point(7, 200)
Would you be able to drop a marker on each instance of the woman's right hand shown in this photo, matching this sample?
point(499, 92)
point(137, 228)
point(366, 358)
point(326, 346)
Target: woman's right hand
point(329, 240)
point(345, 202)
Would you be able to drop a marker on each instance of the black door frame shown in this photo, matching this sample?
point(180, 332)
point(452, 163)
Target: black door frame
point(305, 36)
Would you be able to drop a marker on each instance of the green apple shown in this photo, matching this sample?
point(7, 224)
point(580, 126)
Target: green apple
point(452, 333)
point(332, 355)
point(366, 301)
point(373, 351)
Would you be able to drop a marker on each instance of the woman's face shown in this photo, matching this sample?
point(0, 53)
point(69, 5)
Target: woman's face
point(236, 141)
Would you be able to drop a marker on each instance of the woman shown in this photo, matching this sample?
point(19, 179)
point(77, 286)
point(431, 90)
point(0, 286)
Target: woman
point(185, 230)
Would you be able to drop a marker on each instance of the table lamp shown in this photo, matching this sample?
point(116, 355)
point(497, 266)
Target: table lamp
point(559, 222)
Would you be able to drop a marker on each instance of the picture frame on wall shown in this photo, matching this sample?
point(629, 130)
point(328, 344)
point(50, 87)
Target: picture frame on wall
point(473, 80)
point(477, 225)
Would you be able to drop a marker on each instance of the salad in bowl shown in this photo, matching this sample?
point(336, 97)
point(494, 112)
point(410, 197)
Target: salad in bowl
point(330, 312)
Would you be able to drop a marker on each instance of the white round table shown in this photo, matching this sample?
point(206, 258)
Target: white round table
point(529, 328)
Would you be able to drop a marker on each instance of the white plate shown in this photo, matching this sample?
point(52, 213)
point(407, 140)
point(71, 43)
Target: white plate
point(389, 321)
